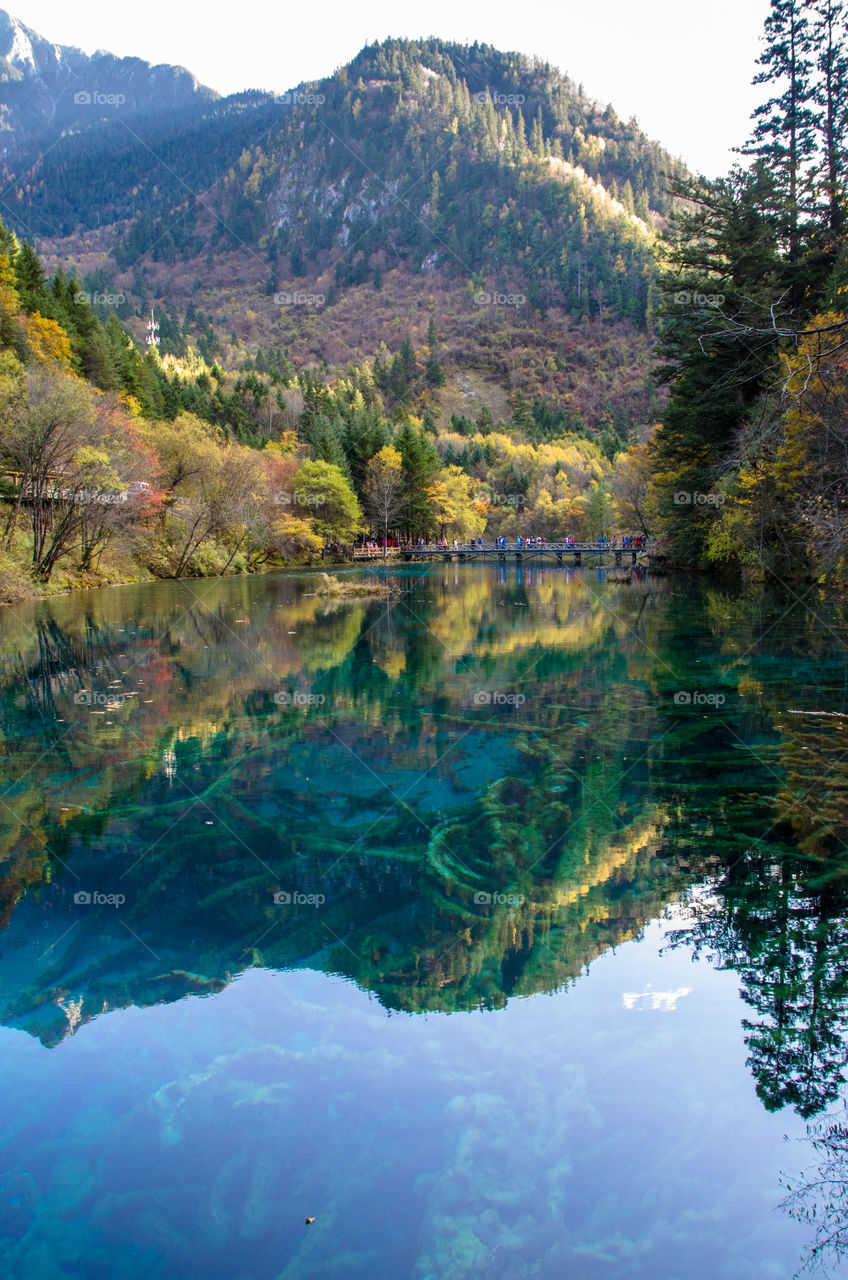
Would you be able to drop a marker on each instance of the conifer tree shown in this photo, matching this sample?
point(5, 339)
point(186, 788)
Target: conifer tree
point(31, 280)
point(783, 125)
point(831, 102)
point(421, 464)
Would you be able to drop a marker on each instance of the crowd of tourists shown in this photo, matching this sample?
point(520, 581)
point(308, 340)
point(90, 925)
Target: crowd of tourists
point(523, 542)
point(630, 542)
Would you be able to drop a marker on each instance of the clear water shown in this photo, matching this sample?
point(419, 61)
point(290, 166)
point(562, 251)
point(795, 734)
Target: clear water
point(498, 926)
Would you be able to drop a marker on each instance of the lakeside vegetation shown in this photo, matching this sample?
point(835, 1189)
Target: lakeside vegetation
point(119, 465)
point(749, 468)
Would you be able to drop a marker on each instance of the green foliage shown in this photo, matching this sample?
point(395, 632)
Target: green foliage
point(749, 262)
point(420, 465)
point(322, 490)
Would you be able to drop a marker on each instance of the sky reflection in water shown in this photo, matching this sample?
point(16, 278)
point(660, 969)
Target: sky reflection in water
point(485, 790)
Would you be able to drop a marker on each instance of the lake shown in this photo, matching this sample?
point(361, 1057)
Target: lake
point(498, 926)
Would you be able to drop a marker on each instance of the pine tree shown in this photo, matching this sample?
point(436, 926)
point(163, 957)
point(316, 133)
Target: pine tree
point(831, 100)
point(32, 282)
point(420, 466)
point(520, 136)
point(537, 141)
point(434, 372)
point(783, 131)
point(397, 378)
point(724, 246)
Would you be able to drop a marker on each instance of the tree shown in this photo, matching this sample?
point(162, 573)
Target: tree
point(632, 490)
point(321, 489)
point(189, 459)
point(383, 490)
point(434, 372)
point(721, 247)
point(598, 510)
point(31, 280)
point(783, 132)
point(454, 510)
point(820, 1198)
point(68, 480)
point(421, 464)
point(9, 305)
point(831, 102)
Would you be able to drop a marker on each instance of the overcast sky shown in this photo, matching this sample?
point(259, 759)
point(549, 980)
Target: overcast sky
point(683, 69)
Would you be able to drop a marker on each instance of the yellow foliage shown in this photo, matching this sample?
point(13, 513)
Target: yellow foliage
point(47, 341)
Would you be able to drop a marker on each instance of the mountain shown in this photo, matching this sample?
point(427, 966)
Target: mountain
point(400, 917)
point(49, 88)
point(425, 179)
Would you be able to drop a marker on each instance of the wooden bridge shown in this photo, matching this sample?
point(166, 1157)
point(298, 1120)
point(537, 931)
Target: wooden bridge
point(572, 553)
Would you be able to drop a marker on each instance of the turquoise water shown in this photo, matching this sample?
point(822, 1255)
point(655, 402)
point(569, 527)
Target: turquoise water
point(498, 926)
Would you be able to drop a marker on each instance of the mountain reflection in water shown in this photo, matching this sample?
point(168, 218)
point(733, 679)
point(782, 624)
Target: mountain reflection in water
point(455, 797)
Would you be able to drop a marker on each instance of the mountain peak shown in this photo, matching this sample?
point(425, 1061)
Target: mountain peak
point(50, 87)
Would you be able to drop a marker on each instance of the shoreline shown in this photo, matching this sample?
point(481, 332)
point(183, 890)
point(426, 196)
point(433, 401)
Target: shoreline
point(117, 581)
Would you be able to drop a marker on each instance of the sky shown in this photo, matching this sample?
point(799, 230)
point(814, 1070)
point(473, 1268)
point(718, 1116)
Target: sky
point(683, 69)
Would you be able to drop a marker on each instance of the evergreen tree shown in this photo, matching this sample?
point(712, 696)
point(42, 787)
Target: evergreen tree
point(725, 247)
point(831, 101)
point(783, 130)
point(31, 280)
point(434, 372)
point(421, 464)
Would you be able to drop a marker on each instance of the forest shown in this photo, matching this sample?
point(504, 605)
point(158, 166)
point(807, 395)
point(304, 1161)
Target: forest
point(749, 465)
point(119, 465)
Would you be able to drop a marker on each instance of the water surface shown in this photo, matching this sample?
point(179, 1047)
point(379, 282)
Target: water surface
point(498, 926)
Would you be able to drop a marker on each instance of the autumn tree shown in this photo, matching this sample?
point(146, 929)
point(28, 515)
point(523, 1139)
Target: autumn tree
point(322, 490)
point(383, 490)
point(632, 490)
point(454, 508)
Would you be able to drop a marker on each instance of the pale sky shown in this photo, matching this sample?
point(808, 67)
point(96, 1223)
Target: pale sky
point(683, 69)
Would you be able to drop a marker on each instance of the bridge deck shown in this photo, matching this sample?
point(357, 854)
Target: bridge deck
point(559, 553)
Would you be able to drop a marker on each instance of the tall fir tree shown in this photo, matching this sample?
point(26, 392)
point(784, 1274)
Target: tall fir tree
point(831, 101)
point(783, 137)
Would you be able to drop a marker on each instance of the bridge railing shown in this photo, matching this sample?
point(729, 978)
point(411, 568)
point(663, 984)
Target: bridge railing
point(469, 547)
